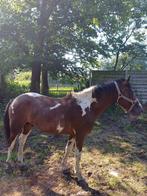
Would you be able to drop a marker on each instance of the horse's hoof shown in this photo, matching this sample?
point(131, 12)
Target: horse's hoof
point(80, 180)
point(23, 167)
point(82, 183)
point(9, 169)
point(66, 171)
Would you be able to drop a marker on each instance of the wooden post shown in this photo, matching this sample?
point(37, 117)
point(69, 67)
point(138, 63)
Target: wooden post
point(126, 74)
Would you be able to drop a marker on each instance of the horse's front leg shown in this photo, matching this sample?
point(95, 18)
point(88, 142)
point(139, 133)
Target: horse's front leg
point(78, 150)
point(69, 147)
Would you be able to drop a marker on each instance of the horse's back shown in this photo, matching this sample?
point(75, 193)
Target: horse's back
point(26, 104)
point(41, 111)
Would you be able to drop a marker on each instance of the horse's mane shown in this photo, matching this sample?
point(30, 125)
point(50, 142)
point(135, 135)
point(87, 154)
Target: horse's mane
point(84, 93)
point(98, 90)
point(106, 88)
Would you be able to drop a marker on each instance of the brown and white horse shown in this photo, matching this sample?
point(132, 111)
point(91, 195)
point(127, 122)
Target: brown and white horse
point(74, 115)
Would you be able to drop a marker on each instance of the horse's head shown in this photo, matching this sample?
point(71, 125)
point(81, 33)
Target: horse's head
point(127, 100)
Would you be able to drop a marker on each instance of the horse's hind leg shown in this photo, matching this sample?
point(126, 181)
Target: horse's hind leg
point(22, 140)
point(69, 147)
point(15, 129)
point(11, 147)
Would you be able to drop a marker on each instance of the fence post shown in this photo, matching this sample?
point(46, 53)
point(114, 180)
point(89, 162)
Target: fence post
point(90, 78)
point(126, 74)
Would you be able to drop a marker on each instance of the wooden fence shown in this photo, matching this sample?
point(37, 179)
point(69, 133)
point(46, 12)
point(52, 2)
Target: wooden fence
point(138, 80)
point(0, 80)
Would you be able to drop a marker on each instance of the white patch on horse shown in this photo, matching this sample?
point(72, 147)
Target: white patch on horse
point(33, 94)
point(12, 105)
point(140, 105)
point(56, 106)
point(68, 149)
point(77, 164)
point(59, 128)
point(84, 98)
point(22, 141)
point(74, 132)
point(10, 149)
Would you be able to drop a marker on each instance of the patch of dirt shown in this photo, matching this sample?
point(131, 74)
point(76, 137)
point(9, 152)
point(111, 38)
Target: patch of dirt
point(113, 162)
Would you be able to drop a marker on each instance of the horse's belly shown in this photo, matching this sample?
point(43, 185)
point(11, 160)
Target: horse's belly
point(53, 126)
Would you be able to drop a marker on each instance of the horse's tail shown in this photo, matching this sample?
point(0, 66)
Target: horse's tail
point(6, 121)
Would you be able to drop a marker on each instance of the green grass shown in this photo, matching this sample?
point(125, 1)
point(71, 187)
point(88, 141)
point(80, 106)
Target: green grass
point(60, 91)
point(62, 88)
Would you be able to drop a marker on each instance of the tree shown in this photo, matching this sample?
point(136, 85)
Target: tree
point(120, 27)
point(42, 34)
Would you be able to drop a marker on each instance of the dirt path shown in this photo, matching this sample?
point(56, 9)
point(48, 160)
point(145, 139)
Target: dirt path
point(113, 162)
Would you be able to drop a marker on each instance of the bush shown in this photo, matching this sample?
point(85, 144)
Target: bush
point(19, 85)
point(23, 78)
point(14, 89)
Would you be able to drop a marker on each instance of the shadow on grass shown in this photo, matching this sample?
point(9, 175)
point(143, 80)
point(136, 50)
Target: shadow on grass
point(109, 136)
point(118, 136)
point(43, 146)
point(83, 184)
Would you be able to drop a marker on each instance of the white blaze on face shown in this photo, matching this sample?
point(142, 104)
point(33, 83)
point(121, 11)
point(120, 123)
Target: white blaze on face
point(59, 128)
point(84, 99)
point(56, 106)
point(140, 105)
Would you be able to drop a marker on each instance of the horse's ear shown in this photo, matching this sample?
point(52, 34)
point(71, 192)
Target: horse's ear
point(128, 80)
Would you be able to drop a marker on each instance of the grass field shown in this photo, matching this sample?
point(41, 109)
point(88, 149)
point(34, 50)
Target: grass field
point(60, 91)
point(22, 81)
point(114, 162)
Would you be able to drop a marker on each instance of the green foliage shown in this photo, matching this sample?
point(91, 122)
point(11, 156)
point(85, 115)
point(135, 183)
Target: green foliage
point(14, 89)
point(18, 85)
point(46, 31)
point(21, 84)
point(1, 112)
point(23, 78)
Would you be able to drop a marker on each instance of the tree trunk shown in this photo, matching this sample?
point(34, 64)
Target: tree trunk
point(44, 81)
point(116, 61)
point(36, 66)
point(3, 88)
point(35, 80)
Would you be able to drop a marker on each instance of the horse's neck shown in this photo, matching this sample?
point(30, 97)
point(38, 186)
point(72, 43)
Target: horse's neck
point(105, 101)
